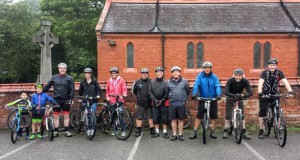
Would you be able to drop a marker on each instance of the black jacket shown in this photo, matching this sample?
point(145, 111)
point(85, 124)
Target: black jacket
point(63, 86)
point(233, 87)
point(158, 89)
point(140, 89)
point(89, 89)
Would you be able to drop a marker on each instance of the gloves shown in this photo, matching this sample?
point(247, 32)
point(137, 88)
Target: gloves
point(218, 98)
point(239, 96)
point(194, 97)
point(290, 94)
point(157, 102)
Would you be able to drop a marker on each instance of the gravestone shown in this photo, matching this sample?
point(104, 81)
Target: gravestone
point(46, 40)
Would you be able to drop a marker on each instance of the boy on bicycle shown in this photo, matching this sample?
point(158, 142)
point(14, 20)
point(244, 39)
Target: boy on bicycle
point(234, 89)
point(39, 100)
point(23, 108)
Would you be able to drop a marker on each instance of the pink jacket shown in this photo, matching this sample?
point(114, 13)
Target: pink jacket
point(116, 87)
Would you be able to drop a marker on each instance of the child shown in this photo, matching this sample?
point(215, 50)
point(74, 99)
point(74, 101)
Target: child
point(39, 100)
point(23, 108)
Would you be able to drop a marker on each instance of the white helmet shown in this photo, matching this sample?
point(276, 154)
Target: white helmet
point(207, 64)
point(62, 65)
point(175, 68)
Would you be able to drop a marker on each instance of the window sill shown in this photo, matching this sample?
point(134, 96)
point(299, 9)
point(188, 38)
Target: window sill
point(198, 70)
point(130, 70)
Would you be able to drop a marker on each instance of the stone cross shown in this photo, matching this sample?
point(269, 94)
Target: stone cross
point(46, 40)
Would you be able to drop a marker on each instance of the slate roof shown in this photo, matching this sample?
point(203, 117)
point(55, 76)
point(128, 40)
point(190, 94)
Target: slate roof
point(294, 9)
point(201, 18)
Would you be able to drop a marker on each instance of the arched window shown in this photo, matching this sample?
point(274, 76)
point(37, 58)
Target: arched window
point(130, 55)
point(267, 53)
point(257, 55)
point(190, 55)
point(199, 55)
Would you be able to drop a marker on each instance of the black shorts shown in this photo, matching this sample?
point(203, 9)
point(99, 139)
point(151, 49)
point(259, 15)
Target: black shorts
point(63, 105)
point(177, 112)
point(160, 115)
point(263, 105)
point(213, 110)
point(229, 108)
point(141, 111)
point(37, 116)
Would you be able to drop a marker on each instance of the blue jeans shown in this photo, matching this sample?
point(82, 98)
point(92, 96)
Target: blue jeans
point(92, 105)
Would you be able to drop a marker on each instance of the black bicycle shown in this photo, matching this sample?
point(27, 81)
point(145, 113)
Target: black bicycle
point(117, 117)
point(275, 118)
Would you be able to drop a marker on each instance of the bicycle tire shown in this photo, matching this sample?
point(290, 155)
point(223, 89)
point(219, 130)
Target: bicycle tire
point(50, 129)
point(230, 129)
point(268, 122)
point(239, 128)
point(10, 117)
point(90, 117)
point(281, 138)
point(14, 132)
point(117, 126)
point(105, 122)
point(204, 130)
point(188, 120)
point(74, 121)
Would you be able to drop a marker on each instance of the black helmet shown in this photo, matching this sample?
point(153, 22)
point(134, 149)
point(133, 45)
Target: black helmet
point(144, 70)
point(114, 69)
point(38, 85)
point(238, 71)
point(88, 70)
point(273, 61)
point(159, 69)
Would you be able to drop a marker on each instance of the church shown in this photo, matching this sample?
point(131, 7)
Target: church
point(133, 34)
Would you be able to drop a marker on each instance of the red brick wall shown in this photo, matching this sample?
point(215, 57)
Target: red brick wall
point(226, 52)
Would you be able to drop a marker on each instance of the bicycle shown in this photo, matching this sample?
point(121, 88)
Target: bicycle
point(275, 118)
point(236, 122)
point(10, 117)
point(116, 116)
point(48, 122)
point(206, 116)
point(85, 117)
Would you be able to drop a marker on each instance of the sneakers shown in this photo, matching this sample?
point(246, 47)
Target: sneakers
point(225, 135)
point(91, 132)
point(123, 134)
point(180, 137)
point(154, 135)
point(112, 133)
point(32, 137)
point(68, 134)
point(55, 134)
point(193, 135)
point(166, 135)
point(212, 134)
point(19, 137)
point(39, 136)
point(138, 133)
point(173, 138)
point(261, 134)
point(246, 136)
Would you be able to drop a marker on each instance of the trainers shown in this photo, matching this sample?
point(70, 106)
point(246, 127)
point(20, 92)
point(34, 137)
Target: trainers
point(19, 137)
point(246, 136)
point(155, 135)
point(225, 135)
point(68, 134)
point(138, 133)
point(91, 132)
point(123, 134)
point(112, 133)
point(261, 134)
point(166, 135)
point(180, 137)
point(55, 134)
point(32, 137)
point(212, 135)
point(173, 138)
point(193, 135)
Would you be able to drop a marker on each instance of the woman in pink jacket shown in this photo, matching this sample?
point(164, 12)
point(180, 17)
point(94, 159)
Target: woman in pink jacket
point(115, 87)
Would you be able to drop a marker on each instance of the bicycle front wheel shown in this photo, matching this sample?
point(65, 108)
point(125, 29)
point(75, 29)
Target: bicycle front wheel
point(104, 122)
point(10, 118)
point(239, 128)
point(204, 129)
point(122, 125)
point(281, 131)
point(50, 129)
point(90, 126)
point(14, 131)
point(268, 121)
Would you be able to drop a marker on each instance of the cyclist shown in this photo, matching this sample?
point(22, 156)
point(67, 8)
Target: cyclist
point(115, 86)
point(234, 89)
point(39, 100)
point(63, 91)
point(23, 108)
point(141, 90)
point(178, 90)
point(206, 85)
point(158, 95)
point(269, 84)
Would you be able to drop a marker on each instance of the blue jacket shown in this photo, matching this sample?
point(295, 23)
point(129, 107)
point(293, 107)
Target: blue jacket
point(207, 86)
point(40, 100)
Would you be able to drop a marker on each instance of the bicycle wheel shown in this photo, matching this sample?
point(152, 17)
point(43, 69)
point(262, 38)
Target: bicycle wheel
point(14, 130)
point(105, 122)
point(268, 121)
point(50, 129)
point(281, 131)
point(204, 129)
point(188, 120)
point(90, 125)
point(75, 118)
point(10, 118)
point(230, 129)
point(239, 128)
point(122, 125)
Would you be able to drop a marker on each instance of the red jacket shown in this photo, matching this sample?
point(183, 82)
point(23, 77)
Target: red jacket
point(116, 87)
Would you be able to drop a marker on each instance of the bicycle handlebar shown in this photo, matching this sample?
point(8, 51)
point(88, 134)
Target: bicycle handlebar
point(276, 95)
point(206, 99)
point(236, 99)
point(86, 97)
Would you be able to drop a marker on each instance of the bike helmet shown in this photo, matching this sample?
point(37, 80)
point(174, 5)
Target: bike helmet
point(238, 71)
point(144, 70)
point(38, 85)
point(159, 69)
point(114, 69)
point(273, 61)
point(62, 65)
point(88, 70)
point(175, 68)
point(207, 65)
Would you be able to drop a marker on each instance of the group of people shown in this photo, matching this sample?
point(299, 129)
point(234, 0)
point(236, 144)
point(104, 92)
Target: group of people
point(161, 101)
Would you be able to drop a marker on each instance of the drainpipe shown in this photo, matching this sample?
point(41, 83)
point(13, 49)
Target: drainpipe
point(163, 51)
